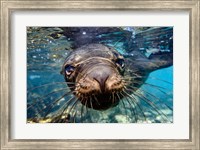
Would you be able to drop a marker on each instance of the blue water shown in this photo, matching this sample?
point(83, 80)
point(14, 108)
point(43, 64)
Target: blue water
point(45, 57)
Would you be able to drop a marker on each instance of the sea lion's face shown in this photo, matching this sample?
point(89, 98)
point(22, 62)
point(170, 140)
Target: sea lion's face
point(97, 73)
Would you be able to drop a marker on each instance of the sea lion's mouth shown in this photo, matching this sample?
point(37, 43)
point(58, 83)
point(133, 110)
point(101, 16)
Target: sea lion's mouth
point(101, 101)
point(93, 94)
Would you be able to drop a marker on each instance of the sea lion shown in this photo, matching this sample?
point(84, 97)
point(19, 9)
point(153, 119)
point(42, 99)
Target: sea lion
point(102, 76)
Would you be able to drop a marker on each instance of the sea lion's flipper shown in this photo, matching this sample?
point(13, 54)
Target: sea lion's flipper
point(152, 49)
point(162, 60)
point(154, 62)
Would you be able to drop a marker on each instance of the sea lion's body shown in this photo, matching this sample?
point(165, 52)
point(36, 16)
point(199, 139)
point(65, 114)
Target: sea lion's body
point(102, 75)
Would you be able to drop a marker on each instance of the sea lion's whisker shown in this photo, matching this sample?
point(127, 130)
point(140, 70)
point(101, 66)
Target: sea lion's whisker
point(45, 96)
point(64, 83)
point(155, 78)
point(152, 85)
point(150, 103)
point(113, 97)
point(145, 91)
point(86, 107)
point(152, 96)
point(125, 109)
point(91, 102)
point(118, 96)
point(151, 77)
point(123, 104)
point(51, 105)
point(74, 116)
point(96, 100)
point(157, 88)
point(159, 100)
point(65, 106)
point(133, 109)
point(135, 76)
point(125, 98)
point(163, 92)
point(73, 106)
point(41, 111)
point(82, 107)
point(132, 98)
point(149, 84)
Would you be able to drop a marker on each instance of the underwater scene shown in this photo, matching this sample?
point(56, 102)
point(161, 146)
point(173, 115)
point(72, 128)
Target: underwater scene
point(99, 74)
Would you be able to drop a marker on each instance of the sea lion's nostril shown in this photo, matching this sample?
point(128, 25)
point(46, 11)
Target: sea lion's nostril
point(102, 81)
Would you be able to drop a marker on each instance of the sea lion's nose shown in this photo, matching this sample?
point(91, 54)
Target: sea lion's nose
point(100, 75)
point(101, 79)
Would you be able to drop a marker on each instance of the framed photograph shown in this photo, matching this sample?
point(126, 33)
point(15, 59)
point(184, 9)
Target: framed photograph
point(101, 68)
point(100, 74)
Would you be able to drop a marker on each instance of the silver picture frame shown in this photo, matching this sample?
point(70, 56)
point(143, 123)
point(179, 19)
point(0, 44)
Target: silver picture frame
point(8, 7)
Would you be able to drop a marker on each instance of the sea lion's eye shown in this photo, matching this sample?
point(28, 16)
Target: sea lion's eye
point(120, 62)
point(69, 69)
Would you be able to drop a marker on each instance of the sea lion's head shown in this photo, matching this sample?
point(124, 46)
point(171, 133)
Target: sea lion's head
point(97, 73)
